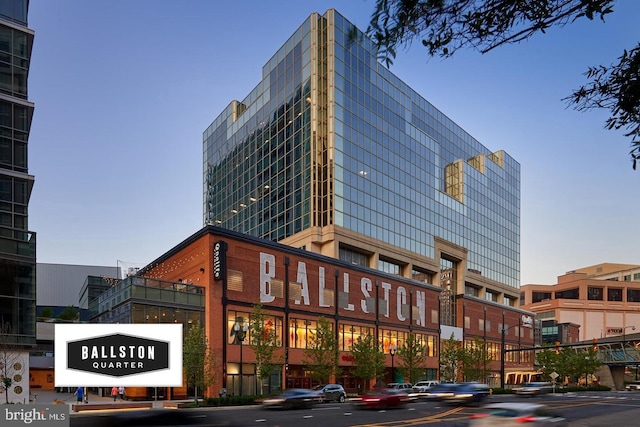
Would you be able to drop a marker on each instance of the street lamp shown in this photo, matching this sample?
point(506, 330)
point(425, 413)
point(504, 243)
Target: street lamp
point(504, 352)
point(624, 333)
point(241, 334)
point(392, 352)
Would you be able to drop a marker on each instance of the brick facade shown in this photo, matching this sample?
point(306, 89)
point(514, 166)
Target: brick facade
point(296, 287)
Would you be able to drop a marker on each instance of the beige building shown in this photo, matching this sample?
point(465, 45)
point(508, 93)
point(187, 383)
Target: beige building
point(610, 271)
point(603, 299)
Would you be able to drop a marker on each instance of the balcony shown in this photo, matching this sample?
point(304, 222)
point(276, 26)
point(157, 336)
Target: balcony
point(15, 242)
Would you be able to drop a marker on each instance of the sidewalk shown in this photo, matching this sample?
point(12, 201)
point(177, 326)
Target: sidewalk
point(94, 402)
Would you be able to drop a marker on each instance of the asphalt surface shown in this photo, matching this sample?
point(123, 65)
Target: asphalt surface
point(630, 417)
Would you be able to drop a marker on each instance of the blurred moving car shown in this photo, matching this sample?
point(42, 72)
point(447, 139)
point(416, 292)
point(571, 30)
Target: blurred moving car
point(633, 385)
point(441, 391)
point(382, 398)
point(424, 386)
point(533, 388)
point(292, 398)
point(468, 393)
point(515, 414)
point(401, 386)
point(331, 392)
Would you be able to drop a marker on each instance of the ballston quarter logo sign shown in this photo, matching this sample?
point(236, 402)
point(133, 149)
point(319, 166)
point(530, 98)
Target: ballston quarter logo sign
point(117, 355)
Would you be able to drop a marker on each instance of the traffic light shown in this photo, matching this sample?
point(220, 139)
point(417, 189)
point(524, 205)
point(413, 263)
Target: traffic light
point(557, 347)
point(595, 344)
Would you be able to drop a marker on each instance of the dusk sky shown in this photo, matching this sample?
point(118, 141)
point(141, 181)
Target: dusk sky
point(124, 89)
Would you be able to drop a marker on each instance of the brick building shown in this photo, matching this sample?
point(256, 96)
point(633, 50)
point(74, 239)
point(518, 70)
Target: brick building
point(295, 287)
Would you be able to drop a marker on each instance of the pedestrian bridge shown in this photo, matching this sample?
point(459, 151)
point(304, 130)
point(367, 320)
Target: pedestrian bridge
point(616, 354)
point(622, 353)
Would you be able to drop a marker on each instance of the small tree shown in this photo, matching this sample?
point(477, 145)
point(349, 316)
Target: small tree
point(70, 313)
point(547, 361)
point(582, 363)
point(475, 358)
point(565, 363)
point(412, 358)
point(264, 343)
point(449, 359)
point(592, 361)
point(46, 313)
point(568, 363)
point(321, 354)
point(368, 359)
point(198, 360)
point(10, 360)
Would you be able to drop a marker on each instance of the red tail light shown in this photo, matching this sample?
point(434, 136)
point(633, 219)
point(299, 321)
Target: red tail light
point(475, 416)
point(529, 419)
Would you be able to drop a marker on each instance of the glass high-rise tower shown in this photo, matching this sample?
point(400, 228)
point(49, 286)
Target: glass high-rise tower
point(333, 153)
point(17, 243)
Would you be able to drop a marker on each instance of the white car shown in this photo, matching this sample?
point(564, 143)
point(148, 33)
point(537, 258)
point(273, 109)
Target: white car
point(633, 385)
point(423, 386)
point(533, 388)
point(406, 387)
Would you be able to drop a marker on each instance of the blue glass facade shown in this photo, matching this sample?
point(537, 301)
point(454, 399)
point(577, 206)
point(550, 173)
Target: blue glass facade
point(258, 151)
point(17, 243)
point(330, 137)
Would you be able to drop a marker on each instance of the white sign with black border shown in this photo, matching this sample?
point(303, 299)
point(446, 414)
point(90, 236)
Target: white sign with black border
point(129, 355)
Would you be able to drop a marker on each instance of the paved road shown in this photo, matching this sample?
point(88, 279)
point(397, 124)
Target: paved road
point(620, 409)
point(627, 419)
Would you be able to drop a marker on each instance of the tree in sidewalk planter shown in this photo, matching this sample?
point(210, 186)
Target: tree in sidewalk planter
point(450, 356)
point(198, 360)
point(475, 360)
point(582, 363)
point(11, 363)
point(444, 27)
point(568, 363)
point(368, 359)
point(321, 354)
point(548, 362)
point(412, 358)
point(265, 343)
point(565, 361)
